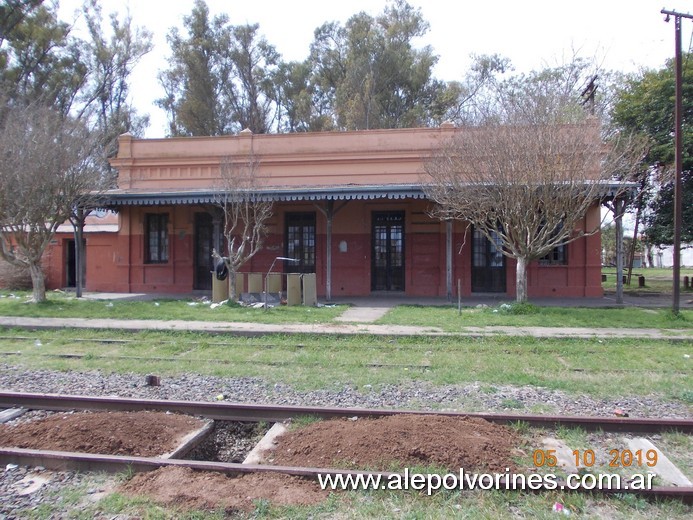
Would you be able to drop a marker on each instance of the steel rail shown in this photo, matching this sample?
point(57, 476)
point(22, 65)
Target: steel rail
point(262, 412)
point(61, 461)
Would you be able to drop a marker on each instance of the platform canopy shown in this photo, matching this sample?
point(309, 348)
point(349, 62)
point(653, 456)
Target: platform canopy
point(115, 198)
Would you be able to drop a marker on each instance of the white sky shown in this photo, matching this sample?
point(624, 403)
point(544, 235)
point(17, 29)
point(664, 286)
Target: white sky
point(621, 34)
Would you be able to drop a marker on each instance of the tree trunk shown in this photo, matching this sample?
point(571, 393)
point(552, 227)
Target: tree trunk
point(648, 255)
point(79, 254)
point(233, 297)
point(521, 282)
point(38, 283)
point(619, 209)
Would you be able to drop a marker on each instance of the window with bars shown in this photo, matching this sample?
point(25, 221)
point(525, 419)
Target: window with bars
point(300, 242)
point(557, 256)
point(156, 238)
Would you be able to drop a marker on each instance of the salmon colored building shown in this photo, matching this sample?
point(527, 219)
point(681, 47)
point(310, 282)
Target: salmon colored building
point(357, 194)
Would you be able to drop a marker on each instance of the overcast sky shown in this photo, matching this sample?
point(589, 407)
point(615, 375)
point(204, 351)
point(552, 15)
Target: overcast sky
point(621, 34)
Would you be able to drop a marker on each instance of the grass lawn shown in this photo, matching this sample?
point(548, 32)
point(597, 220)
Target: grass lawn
point(64, 305)
point(601, 368)
point(528, 315)
point(657, 280)
point(445, 317)
point(471, 505)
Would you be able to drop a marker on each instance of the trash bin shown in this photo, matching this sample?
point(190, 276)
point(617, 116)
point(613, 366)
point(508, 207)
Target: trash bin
point(255, 283)
point(220, 289)
point(293, 289)
point(310, 294)
point(274, 283)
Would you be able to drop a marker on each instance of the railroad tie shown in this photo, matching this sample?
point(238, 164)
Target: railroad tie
point(665, 469)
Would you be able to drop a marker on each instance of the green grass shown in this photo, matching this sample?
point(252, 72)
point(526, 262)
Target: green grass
point(73, 502)
point(679, 448)
point(576, 437)
point(658, 280)
point(412, 505)
point(604, 368)
point(62, 305)
point(303, 421)
point(447, 318)
point(527, 315)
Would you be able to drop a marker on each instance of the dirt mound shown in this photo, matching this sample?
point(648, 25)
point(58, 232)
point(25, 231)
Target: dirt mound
point(399, 441)
point(144, 434)
point(189, 489)
point(387, 443)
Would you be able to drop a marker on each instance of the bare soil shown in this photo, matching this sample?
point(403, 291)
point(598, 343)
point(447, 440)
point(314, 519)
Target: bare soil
point(188, 489)
point(139, 434)
point(387, 443)
point(399, 441)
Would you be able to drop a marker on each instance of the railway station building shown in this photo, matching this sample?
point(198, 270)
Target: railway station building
point(348, 206)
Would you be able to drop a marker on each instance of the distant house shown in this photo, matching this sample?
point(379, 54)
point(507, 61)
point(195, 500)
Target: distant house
point(366, 185)
point(664, 256)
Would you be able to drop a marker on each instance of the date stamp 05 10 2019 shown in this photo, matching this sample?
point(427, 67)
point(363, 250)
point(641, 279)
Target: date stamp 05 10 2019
point(618, 458)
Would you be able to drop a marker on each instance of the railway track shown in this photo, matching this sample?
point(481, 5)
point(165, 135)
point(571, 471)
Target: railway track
point(273, 413)
point(246, 412)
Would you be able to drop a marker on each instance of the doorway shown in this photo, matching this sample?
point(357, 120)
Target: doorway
point(204, 242)
point(387, 255)
point(71, 264)
point(488, 264)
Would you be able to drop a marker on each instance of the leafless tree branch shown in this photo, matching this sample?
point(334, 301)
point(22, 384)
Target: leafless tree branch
point(529, 184)
point(48, 165)
point(245, 214)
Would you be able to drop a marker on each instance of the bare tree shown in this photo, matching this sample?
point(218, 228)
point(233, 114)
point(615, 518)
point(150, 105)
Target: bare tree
point(529, 185)
point(47, 163)
point(245, 215)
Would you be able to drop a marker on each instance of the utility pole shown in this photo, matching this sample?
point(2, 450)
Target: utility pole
point(678, 148)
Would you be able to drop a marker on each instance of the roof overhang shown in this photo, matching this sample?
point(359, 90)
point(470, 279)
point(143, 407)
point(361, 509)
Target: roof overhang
point(115, 198)
point(132, 197)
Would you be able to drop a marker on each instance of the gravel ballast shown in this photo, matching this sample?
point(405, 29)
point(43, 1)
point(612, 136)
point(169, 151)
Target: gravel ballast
point(473, 397)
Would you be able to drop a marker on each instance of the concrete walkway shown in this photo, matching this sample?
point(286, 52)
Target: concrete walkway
point(388, 301)
point(366, 314)
point(259, 329)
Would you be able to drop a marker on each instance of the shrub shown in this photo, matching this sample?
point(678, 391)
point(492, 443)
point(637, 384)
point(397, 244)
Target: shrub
point(14, 278)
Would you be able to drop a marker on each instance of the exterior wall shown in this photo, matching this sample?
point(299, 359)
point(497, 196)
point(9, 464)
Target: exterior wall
point(304, 159)
point(53, 262)
point(115, 261)
point(580, 277)
point(102, 261)
point(368, 157)
point(664, 256)
point(329, 160)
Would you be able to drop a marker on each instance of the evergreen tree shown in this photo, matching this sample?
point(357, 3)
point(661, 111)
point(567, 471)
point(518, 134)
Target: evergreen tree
point(646, 106)
point(221, 77)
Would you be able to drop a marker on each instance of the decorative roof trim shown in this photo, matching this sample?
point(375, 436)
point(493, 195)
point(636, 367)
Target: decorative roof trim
point(115, 198)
